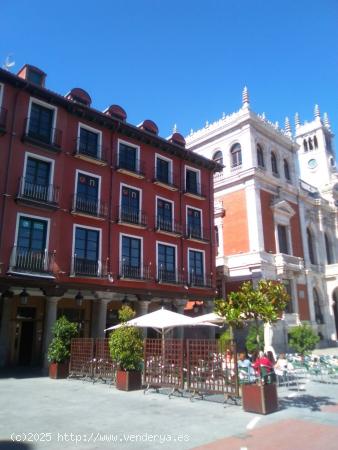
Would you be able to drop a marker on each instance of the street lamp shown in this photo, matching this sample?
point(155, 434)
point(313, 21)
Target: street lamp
point(24, 297)
point(79, 299)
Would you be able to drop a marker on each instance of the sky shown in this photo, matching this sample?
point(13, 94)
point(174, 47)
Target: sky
point(180, 61)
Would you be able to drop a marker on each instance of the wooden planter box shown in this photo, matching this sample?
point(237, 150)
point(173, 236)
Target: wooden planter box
point(261, 399)
point(128, 381)
point(59, 370)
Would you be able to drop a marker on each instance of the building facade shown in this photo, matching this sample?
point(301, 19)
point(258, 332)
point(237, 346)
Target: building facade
point(280, 219)
point(94, 212)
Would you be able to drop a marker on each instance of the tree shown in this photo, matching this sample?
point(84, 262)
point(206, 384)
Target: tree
point(59, 348)
point(303, 339)
point(126, 344)
point(251, 339)
point(265, 303)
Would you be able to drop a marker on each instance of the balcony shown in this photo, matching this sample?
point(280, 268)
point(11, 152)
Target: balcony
point(38, 195)
point(3, 121)
point(96, 155)
point(31, 262)
point(82, 267)
point(219, 210)
point(331, 270)
point(169, 277)
point(199, 281)
point(197, 234)
point(286, 262)
point(83, 206)
point(131, 166)
point(131, 216)
point(132, 272)
point(168, 180)
point(49, 139)
point(168, 226)
point(196, 190)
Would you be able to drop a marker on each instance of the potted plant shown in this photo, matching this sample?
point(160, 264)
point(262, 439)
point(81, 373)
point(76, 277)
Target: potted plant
point(59, 349)
point(265, 303)
point(126, 350)
point(303, 339)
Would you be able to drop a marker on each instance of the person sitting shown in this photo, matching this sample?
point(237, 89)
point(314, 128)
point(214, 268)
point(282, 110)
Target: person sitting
point(245, 371)
point(281, 365)
point(263, 367)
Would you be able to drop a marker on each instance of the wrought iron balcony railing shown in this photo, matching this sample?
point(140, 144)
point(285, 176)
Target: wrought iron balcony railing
point(50, 137)
point(133, 165)
point(195, 189)
point(169, 178)
point(199, 280)
point(38, 193)
point(3, 120)
point(168, 226)
point(97, 152)
point(130, 215)
point(31, 261)
point(83, 267)
point(134, 272)
point(90, 207)
point(169, 276)
point(198, 233)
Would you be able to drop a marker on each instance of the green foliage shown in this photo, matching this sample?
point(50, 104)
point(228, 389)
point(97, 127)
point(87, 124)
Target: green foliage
point(126, 343)
point(303, 339)
point(224, 339)
point(251, 339)
point(59, 348)
point(264, 303)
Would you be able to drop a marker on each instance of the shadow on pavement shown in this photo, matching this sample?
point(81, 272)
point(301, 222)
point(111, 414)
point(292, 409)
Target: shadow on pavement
point(305, 401)
point(22, 372)
point(10, 445)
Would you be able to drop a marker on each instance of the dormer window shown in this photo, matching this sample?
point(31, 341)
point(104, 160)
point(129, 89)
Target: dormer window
point(35, 77)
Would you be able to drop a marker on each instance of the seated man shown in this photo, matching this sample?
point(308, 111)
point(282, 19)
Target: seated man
point(245, 370)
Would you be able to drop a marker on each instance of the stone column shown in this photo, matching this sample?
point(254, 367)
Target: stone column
point(99, 317)
point(142, 307)
point(209, 308)
point(5, 329)
point(50, 318)
point(179, 331)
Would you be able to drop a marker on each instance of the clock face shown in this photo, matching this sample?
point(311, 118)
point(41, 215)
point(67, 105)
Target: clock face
point(312, 163)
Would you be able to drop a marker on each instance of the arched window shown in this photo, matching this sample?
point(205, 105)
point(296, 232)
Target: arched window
point(218, 157)
point(236, 155)
point(305, 145)
point(316, 304)
point(260, 156)
point(310, 245)
point(328, 248)
point(310, 144)
point(315, 141)
point(287, 170)
point(274, 166)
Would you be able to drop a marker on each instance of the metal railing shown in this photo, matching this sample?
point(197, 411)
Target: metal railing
point(169, 276)
point(31, 261)
point(170, 178)
point(134, 165)
point(195, 189)
point(198, 233)
point(169, 226)
point(91, 207)
point(131, 215)
point(51, 137)
point(86, 267)
point(199, 280)
point(97, 152)
point(129, 271)
point(37, 192)
point(3, 118)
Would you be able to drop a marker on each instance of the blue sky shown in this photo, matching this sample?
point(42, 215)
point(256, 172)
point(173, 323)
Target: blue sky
point(184, 61)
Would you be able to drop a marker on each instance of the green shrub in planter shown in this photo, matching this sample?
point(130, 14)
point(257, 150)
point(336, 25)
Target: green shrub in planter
point(59, 348)
point(303, 339)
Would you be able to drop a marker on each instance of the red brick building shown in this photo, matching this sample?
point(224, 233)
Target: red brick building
point(94, 211)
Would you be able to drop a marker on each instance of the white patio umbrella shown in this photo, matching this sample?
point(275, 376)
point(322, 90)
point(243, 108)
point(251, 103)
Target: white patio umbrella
point(211, 318)
point(162, 320)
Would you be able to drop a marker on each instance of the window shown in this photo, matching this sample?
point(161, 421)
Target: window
point(131, 257)
point(87, 194)
point(315, 141)
point(310, 144)
point(260, 156)
point(166, 263)
point(194, 223)
point(192, 184)
point(31, 244)
point(196, 269)
point(164, 215)
point(328, 248)
point(316, 303)
point(274, 166)
point(283, 239)
point(305, 145)
point(130, 205)
point(289, 306)
point(218, 157)
point(286, 170)
point(86, 252)
point(236, 155)
point(163, 170)
point(89, 142)
point(128, 157)
point(37, 179)
point(310, 244)
point(41, 123)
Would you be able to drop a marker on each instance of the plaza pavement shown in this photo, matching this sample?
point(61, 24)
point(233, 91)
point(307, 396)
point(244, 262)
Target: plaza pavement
point(73, 414)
